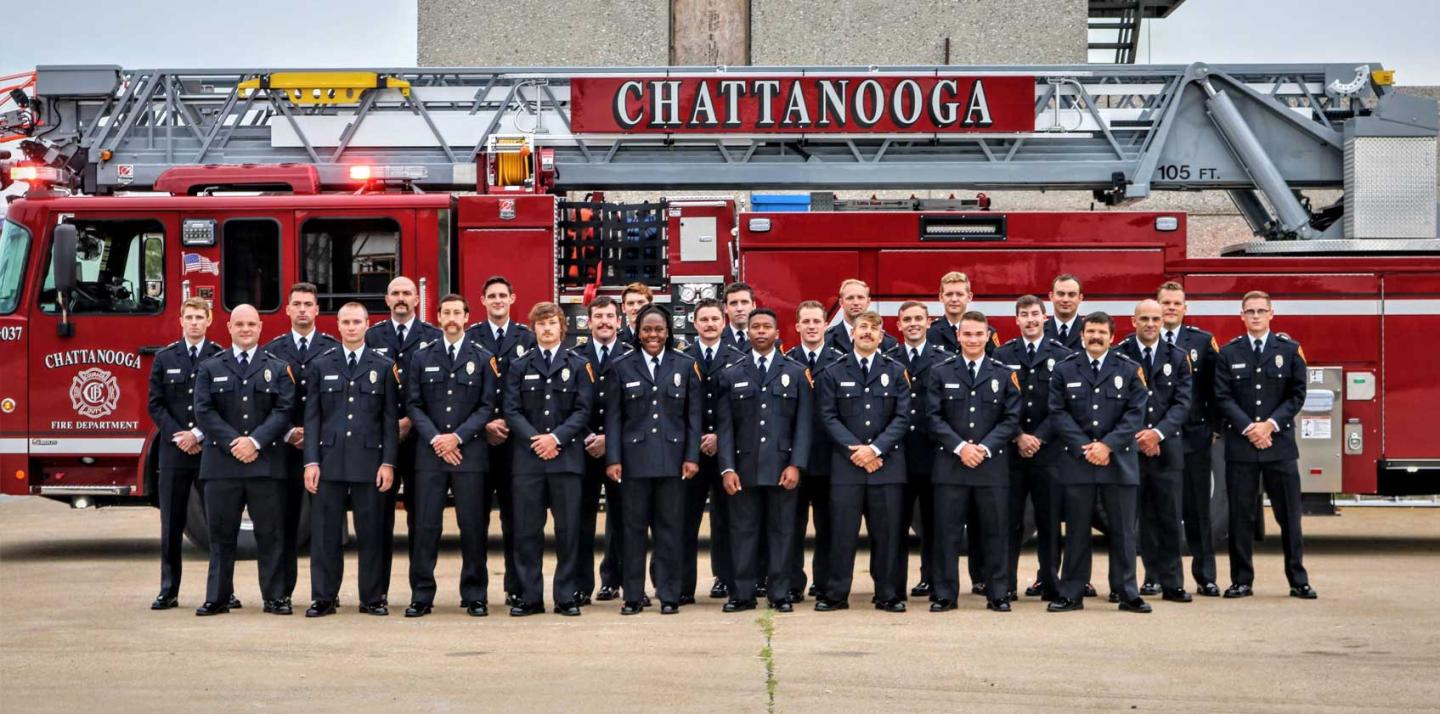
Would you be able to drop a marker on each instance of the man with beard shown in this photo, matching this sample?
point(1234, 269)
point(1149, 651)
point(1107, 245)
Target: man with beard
point(602, 350)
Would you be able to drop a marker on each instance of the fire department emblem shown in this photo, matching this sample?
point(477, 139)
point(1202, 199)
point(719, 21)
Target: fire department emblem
point(519, 350)
point(1119, 382)
point(565, 374)
point(1050, 363)
point(885, 380)
point(1194, 355)
point(995, 385)
point(374, 376)
point(1279, 360)
point(470, 368)
point(268, 375)
point(94, 393)
point(784, 380)
point(1167, 369)
point(677, 379)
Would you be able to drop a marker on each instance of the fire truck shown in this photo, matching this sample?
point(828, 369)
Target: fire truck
point(147, 187)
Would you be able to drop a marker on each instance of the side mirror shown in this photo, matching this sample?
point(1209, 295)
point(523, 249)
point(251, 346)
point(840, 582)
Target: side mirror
point(62, 262)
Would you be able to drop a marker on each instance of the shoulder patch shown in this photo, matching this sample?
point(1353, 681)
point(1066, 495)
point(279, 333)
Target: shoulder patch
point(1141, 374)
point(289, 373)
point(906, 374)
point(994, 338)
point(696, 366)
point(395, 372)
point(1301, 350)
point(809, 378)
point(590, 371)
point(1014, 379)
point(1213, 346)
point(495, 365)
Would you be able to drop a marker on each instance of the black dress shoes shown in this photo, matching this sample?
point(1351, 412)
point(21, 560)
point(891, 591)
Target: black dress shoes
point(1304, 592)
point(321, 608)
point(569, 609)
point(1176, 595)
point(1136, 604)
point(1034, 589)
point(896, 605)
point(687, 599)
point(606, 593)
point(525, 610)
point(418, 609)
point(512, 600)
point(782, 606)
point(378, 609)
point(998, 605)
point(1012, 596)
point(212, 608)
point(796, 596)
point(1114, 598)
point(1237, 590)
point(631, 608)
point(738, 605)
point(1090, 590)
point(1061, 604)
point(669, 608)
point(977, 589)
point(477, 608)
point(1150, 588)
point(811, 591)
point(718, 590)
point(234, 603)
point(761, 590)
point(825, 604)
point(581, 599)
point(943, 604)
point(921, 589)
point(164, 602)
point(1208, 589)
point(279, 607)
point(645, 600)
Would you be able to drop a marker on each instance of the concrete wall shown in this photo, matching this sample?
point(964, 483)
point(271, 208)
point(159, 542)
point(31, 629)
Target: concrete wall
point(467, 33)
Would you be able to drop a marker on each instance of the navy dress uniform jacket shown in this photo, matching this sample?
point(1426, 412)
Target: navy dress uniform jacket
point(284, 348)
point(1247, 392)
point(518, 341)
point(458, 398)
point(1204, 417)
point(818, 462)
point(652, 426)
point(555, 401)
point(352, 417)
point(1109, 408)
point(254, 402)
point(1034, 377)
point(725, 354)
point(765, 420)
point(919, 447)
point(941, 332)
point(172, 399)
point(382, 338)
point(839, 338)
point(1168, 381)
point(873, 411)
point(985, 412)
point(1072, 340)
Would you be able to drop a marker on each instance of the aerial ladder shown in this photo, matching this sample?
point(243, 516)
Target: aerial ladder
point(1263, 133)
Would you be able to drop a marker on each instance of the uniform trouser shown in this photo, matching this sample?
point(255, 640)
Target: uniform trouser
point(590, 485)
point(402, 492)
point(762, 523)
point(974, 553)
point(1079, 509)
point(612, 565)
point(1034, 478)
point(327, 539)
point(295, 497)
point(706, 485)
point(225, 502)
point(918, 496)
point(956, 507)
point(1282, 484)
point(498, 483)
point(175, 485)
point(880, 506)
point(473, 517)
point(531, 494)
point(1195, 508)
point(1161, 483)
point(656, 505)
point(814, 494)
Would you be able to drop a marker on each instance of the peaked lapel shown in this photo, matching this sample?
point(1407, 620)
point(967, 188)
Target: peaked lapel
point(772, 368)
point(875, 370)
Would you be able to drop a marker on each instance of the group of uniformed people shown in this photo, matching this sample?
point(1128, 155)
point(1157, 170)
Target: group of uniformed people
point(945, 432)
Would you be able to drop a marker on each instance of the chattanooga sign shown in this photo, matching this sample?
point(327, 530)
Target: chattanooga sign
point(881, 104)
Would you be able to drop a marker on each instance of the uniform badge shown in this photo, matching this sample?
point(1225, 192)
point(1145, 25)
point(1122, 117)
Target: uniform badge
point(885, 380)
point(1279, 360)
point(1050, 363)
point(1166, 369)
point(784, 380)
point(470, 367)
point(565, 374)
point(267, 375)
point(374, 376)
point(1119, 382)
point(994, 385)
point(519, 350)
point(677, 378)
point(1195, 355)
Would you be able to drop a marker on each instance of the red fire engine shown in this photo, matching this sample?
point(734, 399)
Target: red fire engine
point(150, 186)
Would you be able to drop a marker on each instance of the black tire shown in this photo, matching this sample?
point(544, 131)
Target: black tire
point(197, 529)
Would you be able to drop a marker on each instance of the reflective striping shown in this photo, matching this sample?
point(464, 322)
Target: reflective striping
point(75, 447)
point(1201, 308)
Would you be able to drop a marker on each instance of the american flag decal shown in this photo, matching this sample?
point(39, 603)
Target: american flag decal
point(196, 263)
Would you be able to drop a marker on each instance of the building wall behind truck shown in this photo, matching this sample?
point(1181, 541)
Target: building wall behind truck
point(801, 32)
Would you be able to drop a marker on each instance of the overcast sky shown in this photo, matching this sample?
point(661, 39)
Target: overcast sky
point(376, 33)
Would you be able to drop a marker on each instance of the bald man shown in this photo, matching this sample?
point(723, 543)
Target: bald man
point(242, 404)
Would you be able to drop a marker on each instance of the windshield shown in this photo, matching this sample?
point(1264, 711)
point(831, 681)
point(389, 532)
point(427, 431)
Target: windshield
point(14, 244)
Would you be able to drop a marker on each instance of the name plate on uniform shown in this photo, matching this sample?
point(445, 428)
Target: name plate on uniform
point(172, 371)
point(632, 384)
point(432, 369)
point(221, 379)
point(532, 376)
point(1072, 385)
point(329, 377)
point(847, 384)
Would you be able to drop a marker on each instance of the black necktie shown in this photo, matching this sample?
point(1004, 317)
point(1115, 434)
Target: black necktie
point(400, 332)
point(865, 368)
point(452, 354)
point(352, 362)
point(709, 355)
point(1029, 352)
point(810, 357)
point(1258, 343)
point(499, 336)
point(194, 354)
point(244, 360)
point(604, 353)
point(762, 366)
point(1148, 362)
point(1095, 367)
point(304, 345)
point(914, 355)
point(546, 355)
point(972, 372)
point(654, 368)
point(1064, 332)
point(1170, 337)
point(740, 339)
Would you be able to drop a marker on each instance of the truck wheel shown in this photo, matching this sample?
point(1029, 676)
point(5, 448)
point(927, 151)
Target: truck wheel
point(197, 529)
